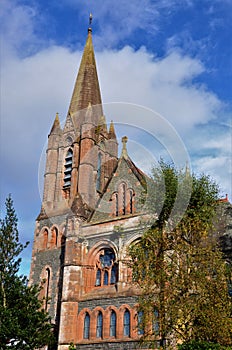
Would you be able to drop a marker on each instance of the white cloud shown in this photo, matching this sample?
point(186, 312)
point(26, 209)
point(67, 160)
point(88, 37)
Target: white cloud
point(18, 24)
point(37, 87)
point(219, 168)
point(118, 20)
point(165, 85)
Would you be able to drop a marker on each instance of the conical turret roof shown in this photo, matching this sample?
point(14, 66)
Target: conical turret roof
point(56, 125)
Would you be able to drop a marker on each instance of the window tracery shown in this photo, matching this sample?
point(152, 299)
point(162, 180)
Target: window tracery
point(107, 268)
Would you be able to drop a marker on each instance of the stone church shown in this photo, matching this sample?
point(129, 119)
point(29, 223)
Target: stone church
point(90, 215)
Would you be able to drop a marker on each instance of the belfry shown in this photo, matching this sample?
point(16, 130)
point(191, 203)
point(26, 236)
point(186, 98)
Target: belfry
point(90, 215)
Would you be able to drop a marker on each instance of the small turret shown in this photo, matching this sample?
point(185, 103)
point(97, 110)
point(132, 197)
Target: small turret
point(51, 164)
point(124, 153)
point(56, 125)
point(112, 134)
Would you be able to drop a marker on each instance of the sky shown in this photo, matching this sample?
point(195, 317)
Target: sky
point(160, 63)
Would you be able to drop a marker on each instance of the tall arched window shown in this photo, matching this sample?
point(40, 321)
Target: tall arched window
point(140, 323)
point(131, 201)
point(113, 320)
point(55, 236)
point(156, 321)
point(124, 199)
point(126, 324)
point(45, 238)
point(99, 168)
point(107, 268)
point(86, 326)
point(99, 325)
point(68, 169)
point(47, 285)
point(116, 204)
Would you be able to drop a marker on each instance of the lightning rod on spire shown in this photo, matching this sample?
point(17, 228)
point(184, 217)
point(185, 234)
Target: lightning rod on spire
point(90, 19)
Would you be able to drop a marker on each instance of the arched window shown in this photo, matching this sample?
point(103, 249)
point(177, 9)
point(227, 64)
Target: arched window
point(55, 236)
point(123, 199)
point(126, 324)
point(131, 201)
point(68, 169)
point(99, 325)
point(47, 285)
point(113, 323)
point(86, 326)
point(140, 323)
point(116, 204)
point(106, 268)
point(98, 278)
point(156, 321)
point(45, 238)
point(99, 168)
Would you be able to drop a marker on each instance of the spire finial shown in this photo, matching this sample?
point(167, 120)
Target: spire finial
point(90, 23)
point(90, 18)
point(124, 149)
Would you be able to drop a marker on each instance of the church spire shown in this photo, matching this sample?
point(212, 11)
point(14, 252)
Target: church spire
point(86, 89)
point(112, 134)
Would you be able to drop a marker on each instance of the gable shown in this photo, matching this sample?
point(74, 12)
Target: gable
point(122, 194)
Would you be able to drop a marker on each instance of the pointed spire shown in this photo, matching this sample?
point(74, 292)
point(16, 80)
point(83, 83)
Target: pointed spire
point(124, 149)
point(56, 124)
point(112, 134)
point(86, 88)
point(102, 124)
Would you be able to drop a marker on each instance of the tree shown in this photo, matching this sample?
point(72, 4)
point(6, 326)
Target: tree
point(23, 323)
point(178, 265)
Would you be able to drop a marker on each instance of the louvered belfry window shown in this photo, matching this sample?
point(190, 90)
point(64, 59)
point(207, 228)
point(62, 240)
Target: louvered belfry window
point(68, 169)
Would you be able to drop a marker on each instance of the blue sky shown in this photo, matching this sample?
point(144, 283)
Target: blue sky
point(173, 57)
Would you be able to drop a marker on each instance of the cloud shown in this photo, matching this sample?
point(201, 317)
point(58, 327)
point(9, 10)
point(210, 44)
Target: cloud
point(166, 85)
point(37, 87)
point(119, 20)
point(19, 23)
point(38, 82)
point(211, 150)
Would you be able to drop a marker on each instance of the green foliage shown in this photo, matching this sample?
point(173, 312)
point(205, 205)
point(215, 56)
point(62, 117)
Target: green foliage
point(23, 323)
point(177, 263)
point(202, 345)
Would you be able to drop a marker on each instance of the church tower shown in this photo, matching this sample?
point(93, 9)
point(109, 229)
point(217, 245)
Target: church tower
point(90, 214)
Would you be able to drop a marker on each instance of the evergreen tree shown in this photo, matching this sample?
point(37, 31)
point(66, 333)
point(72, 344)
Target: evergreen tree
point(24, 325)
point(178, 265)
